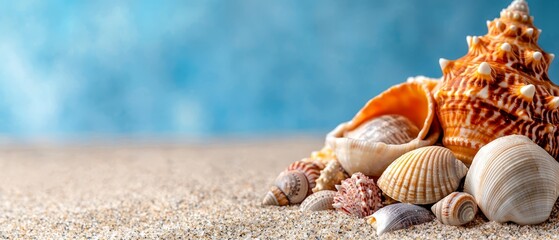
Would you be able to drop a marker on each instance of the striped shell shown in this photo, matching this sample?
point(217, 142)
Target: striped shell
point(319, 201)
point(399, 216)
point(500, 87)
point(294, 184)
point(422, 176)
point(310, 169)
point(411, 100)
point(275, 197)
point(456, 209)
point(513, 179)
point(358, 196)
point(330, 176)
point(389, 129)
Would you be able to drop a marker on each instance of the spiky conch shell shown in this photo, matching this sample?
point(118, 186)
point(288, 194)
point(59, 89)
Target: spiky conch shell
point(358, 196)
point(330, 176)
point(412, 100)
point(500, 87)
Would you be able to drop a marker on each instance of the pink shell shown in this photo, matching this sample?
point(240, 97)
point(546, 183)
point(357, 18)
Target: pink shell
point(358, 196)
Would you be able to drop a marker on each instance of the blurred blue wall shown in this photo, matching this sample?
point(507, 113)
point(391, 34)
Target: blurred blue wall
point(203, 68)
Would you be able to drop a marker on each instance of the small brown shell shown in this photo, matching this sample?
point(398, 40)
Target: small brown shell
point(423, 176)
point(456, 209)
point(319, 201)
point(330, 176)
point(294, 184)
point(275, 197)
point(310, 169)
point(358, 196)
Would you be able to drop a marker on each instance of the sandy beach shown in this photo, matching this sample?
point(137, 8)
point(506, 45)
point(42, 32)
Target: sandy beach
point(177, 190)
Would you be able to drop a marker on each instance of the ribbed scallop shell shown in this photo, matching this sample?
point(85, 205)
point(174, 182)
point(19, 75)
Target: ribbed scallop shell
point(456, 209)
point(330, 176)
point(513, 179)
point(310, 169)
point(411, 100)
point(319, 201)
point(399, 216)
point(500, 87)
point(358, 196)
point(422, 176)
point(294, 184)
point(275, 197)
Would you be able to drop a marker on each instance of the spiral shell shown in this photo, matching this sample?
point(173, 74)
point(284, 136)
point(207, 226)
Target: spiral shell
point(371, 152)
point(294, 184)
point(456, 209)
point(514, 179)
point(358, 196)
point(319, 201)
point(330, 176)
point(275, 197)
point(399, 216)
point(310, 169)
point(422, 176)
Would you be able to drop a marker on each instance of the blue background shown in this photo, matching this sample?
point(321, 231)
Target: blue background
point(213, 68)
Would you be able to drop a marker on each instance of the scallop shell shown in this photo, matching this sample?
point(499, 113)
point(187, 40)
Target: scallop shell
point(513, 179)
point(399, 216)
point(330, 176)
point(456, 209)
point(411, 100)
point(422, 176)
point(310, 169)
point(358, 196)
point(275, 197)
point(319, 201)
point(500, 87)
point(294, 184)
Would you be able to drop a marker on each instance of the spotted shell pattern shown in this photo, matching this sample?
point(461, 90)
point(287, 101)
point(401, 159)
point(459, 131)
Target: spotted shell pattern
point(358, 196)
point(500, 87)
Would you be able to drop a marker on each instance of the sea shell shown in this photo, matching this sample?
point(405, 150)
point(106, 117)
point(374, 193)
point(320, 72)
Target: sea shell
point(322, 157)
point(399, 216)
point(456, 209)
point(319, 201)
point(513, 179)
point(389, 129)
point(330, 176)
point(310, 169)
point(358, 196)
point(294, 184)
point(422, 176)
point(275, 197)
point(411, 100)
point(500, 87)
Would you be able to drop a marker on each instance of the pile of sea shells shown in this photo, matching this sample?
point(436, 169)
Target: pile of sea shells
point(484, 136)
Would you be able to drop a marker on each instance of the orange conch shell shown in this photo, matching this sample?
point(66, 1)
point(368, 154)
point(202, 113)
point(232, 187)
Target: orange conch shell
point(411, 100)
point(500, 87)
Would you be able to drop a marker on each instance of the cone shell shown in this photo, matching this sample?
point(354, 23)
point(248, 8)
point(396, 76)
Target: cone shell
point(456, 209)
point(513, 179)
point(330, 176)
point(399, 216)
point(275, 197)
point(411, 100)
point(422, 176)
point(500, 87)
point(294, 184)
point(310, 169)
point(358, 196)
point(319, 201)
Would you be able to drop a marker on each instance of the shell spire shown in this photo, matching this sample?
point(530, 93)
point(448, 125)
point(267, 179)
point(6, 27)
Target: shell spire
point(500, 87)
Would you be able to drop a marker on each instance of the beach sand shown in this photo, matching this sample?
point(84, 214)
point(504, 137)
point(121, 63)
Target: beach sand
point(183, 190)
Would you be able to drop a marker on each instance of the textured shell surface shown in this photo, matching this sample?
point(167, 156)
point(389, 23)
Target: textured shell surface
point(422, 176)
point(389, 129)
point(310, 169)
point(411, 100)
point(275, 197)
point(294, 184)
point(500, 87)
point(358, 196)
point(456, 209)
point(330, 176)
point(319, 201)
point(399, 216)
point(514, 179)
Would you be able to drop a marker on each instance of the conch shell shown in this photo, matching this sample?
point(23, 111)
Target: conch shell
point(513, 179)
point(456, 209)
point(422, 176)
point(500, 87)
point(411, 100)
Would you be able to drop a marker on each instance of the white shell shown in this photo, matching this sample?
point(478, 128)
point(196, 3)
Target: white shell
point(319, 201)
point(456, 209)
point(330, 176)
point(294, 184)
point(513, 179)
point(399, 216)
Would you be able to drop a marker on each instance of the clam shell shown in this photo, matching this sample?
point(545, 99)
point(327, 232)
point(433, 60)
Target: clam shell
point(330, 176)
point(275, 197)
point(319, 201)
point(294, 184)
point(456, 209)
point(422, 176)
point(399, 216)
point(411, 100)
point(358, 196)
point(310, 169)
point(514, 179)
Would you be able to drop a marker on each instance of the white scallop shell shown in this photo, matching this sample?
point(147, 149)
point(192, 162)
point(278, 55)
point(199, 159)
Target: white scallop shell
point(399, 216)
point(513, 179)
point(456, 209)
point(319, 201)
